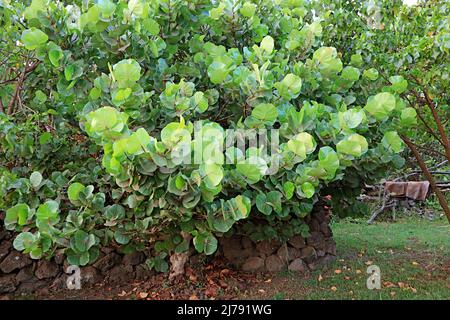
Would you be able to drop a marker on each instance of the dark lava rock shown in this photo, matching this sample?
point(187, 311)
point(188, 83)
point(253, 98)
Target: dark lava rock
point(274, 264)
point(46, 269)
point(107, 262)
point(25, 274)
point(90, 276)
point(134, 258)
point(7, 283)
point(121, 274)
point(297, 265)
point(297, 242)
point(267, 247)
point(15, 260)
point(253, 264)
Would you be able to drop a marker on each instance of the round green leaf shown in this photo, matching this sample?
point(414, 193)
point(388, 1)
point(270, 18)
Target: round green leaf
point(308, 189)
point(302, 144)
point(121, 238)
point(288, 188)
point(24, 240)
point(217, 72)
point(265, 112)
point(391, 140)
point(408, 117)
point(48, 211)
point(33, 38)
point(329, 160)
point(350, 74)
point(248, 9)
point(399, 84)
point(35, 179)
point(262, 205)
point(17, 214)
point(127, 73)
point(381, 105)
point(212, 174)
point(74, 191)
point(267, 44)
point(205, 242)
point(354, 145)
point(371, 74)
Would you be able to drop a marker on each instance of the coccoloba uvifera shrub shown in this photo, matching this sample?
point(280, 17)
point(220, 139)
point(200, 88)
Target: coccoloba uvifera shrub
point(211, 115)
point(200, 178)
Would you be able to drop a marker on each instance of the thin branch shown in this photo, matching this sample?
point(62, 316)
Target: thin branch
point(383, 206)
point(429, 102)
point(429, 150)
point(444, 137)
point(417, 171)
point(28, 70)
point(17, 90)
point(421, 118)
point(428, 175)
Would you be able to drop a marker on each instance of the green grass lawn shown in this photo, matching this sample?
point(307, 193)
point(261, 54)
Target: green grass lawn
point(413, 255)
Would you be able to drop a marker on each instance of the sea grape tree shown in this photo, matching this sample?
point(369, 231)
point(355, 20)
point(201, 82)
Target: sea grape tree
point(213, 117)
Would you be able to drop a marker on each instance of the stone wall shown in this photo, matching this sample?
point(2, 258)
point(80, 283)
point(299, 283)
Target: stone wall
point(20, 275)
point(297, 254)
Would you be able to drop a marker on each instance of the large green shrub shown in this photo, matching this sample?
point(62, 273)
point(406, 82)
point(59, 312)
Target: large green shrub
point(148, 79)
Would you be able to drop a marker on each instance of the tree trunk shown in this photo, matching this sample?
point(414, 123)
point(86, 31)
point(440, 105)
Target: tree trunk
point(429, 177)
point(178, 260)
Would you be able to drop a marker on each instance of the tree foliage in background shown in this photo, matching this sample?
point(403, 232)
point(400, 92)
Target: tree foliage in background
point(412, 42)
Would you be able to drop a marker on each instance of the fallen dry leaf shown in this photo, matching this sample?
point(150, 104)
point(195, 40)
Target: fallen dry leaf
point(414, 263)
point(320, 278)
point(143, 295)
point(123, 293)
point(211, 292)
point(358, 271)
point(223, 284)
point(193, 278)
point(338, 271)
point(225, 271)
point(393, 293)
point(388, 284)
point(333, 288)
point(368, 262)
